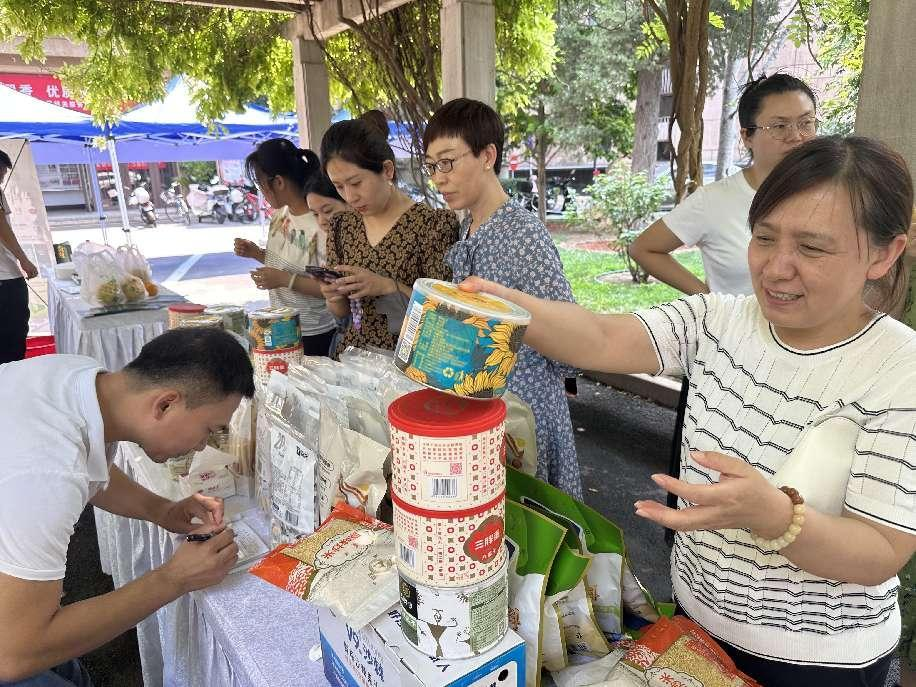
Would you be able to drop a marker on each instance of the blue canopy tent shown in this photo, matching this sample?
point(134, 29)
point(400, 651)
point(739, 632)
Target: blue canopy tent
point(163, 131)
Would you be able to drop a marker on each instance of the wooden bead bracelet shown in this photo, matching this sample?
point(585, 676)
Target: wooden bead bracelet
point(798, 519)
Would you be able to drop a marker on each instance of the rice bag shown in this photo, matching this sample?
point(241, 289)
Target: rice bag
point(349, 467)
point(677, 651)
point(293, 417)
point(613, 586)
point(532, 541)
point(347, 565)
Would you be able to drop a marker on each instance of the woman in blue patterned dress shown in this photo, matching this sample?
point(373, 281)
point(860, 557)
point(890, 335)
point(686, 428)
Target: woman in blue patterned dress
point(503, 242)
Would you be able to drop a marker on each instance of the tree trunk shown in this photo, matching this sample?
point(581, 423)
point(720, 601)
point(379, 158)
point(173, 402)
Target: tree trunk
point(728, 132)
point(541, 153)
point(645, 139)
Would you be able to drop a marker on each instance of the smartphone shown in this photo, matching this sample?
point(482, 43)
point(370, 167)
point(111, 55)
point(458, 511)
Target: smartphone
point(324, 274)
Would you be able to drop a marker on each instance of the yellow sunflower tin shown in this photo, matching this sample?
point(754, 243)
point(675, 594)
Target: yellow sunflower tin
point(460, 342)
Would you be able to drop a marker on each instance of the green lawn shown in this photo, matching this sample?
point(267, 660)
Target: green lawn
point(582, 268)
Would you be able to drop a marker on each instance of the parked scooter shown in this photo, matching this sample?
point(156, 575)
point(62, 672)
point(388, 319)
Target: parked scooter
point(242, 209)
point(141, 198)
point(209, 200)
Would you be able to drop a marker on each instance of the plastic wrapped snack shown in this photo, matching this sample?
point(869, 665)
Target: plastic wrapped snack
point(615, 587)
point(521, 440)
point(349, 467)
point(347, 565)
point(533, 541)
point(131, 260)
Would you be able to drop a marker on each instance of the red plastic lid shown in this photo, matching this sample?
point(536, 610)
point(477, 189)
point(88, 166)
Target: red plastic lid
point(431, 413)
point(187, 308)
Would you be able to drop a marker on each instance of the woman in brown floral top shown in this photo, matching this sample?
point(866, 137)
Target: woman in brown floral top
point(385, 243)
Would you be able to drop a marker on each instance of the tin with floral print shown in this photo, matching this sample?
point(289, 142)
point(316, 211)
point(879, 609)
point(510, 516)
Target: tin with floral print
point(447, 451)
point(460, 342)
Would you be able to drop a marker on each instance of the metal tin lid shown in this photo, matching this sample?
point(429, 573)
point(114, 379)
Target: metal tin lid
point(224, 309)
point(479, 304)
point(202, 321)
point(431, 413)
point(187, 308)
point(278, 313)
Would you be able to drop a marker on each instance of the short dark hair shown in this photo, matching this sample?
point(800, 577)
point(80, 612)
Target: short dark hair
point(205, 363)
point(5, 160)
point(474, 122)
point(359, 142)
point(877, 179)
point(755, 90)
point(279, 157)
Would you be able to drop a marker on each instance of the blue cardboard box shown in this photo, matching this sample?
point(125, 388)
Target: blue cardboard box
point(379, 656)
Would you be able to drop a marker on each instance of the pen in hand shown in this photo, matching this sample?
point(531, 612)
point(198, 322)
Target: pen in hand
point(199, 537)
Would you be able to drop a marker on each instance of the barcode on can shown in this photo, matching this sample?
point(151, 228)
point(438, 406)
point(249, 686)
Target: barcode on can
point(443, 487)
point(408, 555)
point(410, 331)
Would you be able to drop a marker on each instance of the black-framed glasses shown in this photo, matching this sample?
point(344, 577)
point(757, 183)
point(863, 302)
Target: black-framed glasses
point(445, 165)
point(806, 128)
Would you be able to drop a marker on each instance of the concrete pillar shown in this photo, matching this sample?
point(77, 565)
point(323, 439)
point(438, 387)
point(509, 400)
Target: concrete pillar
point(313, 100)
point(468, 50)
point(155, 184)
point(887, 94)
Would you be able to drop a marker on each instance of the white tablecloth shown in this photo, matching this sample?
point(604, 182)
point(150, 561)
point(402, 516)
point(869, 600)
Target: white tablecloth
point(243, 632)
point(113, 340)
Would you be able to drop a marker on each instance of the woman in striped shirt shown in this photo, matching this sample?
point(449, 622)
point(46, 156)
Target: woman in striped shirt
point(295, 238)
point(801, 392)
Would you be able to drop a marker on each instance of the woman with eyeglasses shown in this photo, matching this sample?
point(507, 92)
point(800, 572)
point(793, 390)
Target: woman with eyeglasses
point(385, 243)
point(776, 114)
point(503, 242)
point(294, 239)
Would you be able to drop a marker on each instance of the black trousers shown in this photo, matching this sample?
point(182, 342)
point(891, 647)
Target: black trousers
point(318, 344)
point(14, 319)
point(772, 673)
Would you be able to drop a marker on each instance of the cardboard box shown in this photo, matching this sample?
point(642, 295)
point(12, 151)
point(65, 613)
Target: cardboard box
point(380, 656)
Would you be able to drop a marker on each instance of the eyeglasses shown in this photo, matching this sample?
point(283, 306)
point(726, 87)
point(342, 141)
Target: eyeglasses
point(806, 128)
point(445, 165)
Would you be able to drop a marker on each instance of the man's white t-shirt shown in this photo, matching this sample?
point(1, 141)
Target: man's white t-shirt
point(714, 219)
point(752, 397)
point(52, 461)
point(9, 266)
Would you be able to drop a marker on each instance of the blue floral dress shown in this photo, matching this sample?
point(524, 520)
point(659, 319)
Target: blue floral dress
point(513, 248)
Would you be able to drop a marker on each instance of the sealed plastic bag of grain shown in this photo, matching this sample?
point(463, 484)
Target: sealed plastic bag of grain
point(677, 651)
point(533, 541)
point(614, 586)
point(294, 432)
point(348, 565)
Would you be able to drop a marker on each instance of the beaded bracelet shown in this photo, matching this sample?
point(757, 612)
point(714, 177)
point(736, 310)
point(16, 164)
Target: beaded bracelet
point(798, 519)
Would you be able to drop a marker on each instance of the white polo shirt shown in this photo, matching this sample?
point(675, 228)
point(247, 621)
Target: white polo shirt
point(9, 266)
point(52, 461)
point(714, 219)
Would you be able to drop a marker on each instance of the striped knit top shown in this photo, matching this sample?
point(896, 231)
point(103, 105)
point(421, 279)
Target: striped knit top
point(751, 397)
point(294, 241)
